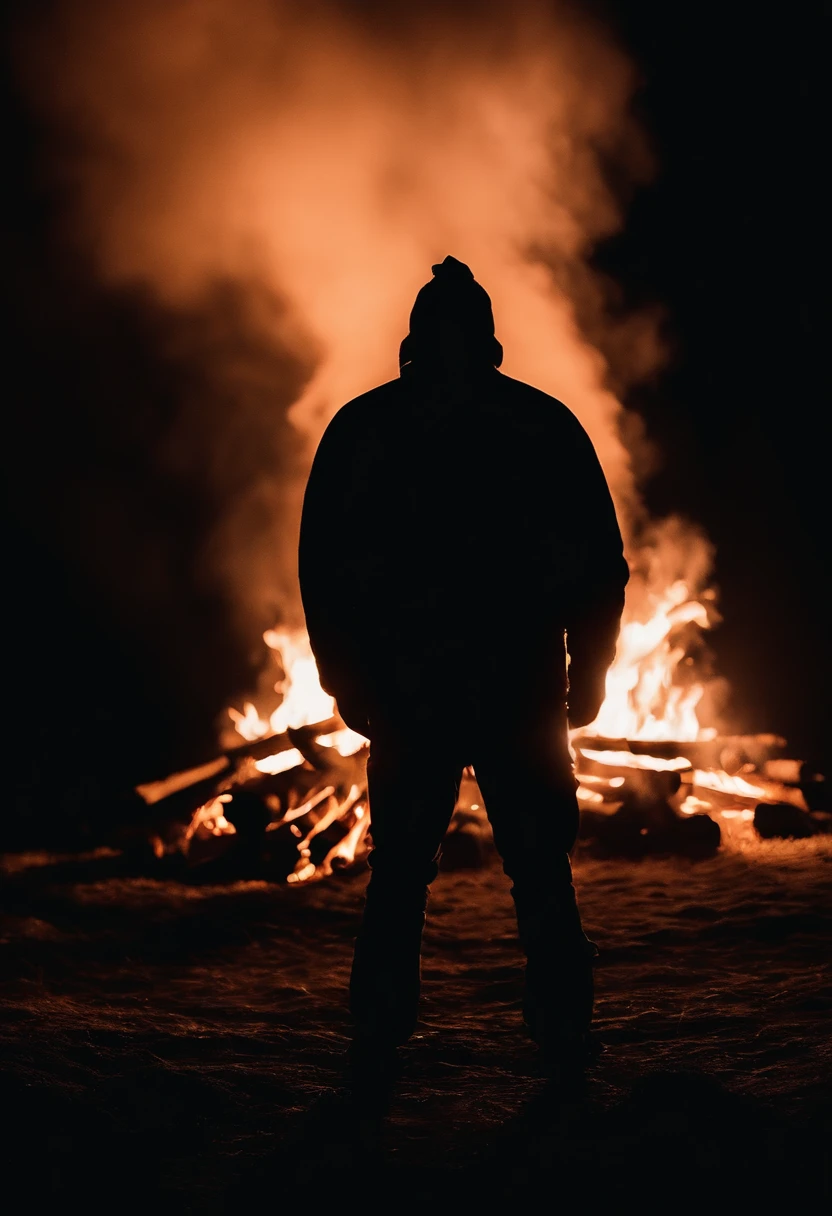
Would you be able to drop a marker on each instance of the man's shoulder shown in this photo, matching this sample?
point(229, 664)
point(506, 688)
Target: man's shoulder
point(366, 406)
point(536, 407)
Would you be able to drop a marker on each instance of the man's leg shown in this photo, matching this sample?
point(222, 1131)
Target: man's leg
point(413, 786)
point(529, 788)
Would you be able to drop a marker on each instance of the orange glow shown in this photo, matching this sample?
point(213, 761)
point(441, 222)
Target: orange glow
point(289, 151)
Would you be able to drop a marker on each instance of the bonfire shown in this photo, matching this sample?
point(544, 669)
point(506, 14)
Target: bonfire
point(291, 785)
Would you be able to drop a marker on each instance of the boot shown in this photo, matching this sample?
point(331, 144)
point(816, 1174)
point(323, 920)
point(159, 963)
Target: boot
point(558, 1000)
point(559, 988)
point(385, 981)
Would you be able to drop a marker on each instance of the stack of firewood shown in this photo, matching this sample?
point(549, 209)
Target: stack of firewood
point(306, 818)
point(308, 815)
point(675, 803)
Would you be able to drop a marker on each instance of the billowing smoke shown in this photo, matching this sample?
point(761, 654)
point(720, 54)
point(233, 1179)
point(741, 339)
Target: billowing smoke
point(324, 158)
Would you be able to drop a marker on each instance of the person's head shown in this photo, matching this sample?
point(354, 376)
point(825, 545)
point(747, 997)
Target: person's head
point(451, 323)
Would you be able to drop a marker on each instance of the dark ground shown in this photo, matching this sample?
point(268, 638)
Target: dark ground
point(183, 1044)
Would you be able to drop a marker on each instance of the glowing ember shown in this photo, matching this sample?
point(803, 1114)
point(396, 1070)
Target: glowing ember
point(280, 762)
point(211, 818)
point(627, 760)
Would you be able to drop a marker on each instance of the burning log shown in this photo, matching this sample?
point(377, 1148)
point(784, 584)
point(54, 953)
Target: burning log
point(175, 799)
point(293, 775)
point(641, 784)
point(639, 828)
point(332, 840)
point(784, 821)
point(273, 745)
point(729, 752)
point(327, 759)
point(316, 802)
point(314, 818)
point(791, 772)
point(746, 787)
point(256, 749)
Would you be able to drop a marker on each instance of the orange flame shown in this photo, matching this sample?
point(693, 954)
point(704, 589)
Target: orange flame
point(642, 700)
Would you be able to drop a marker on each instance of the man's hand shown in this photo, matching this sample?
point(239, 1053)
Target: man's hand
point(585, 698)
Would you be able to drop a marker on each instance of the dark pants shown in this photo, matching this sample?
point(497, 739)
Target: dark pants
point(524, 771)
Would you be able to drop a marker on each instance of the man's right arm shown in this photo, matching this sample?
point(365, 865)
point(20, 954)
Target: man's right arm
point(597, 600)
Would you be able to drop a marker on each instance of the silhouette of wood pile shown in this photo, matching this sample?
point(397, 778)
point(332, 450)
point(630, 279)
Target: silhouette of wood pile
point(636, 810)
point(233, 820)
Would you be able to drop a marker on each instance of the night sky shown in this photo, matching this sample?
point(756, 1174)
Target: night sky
point(111, 678)
point(728, 239)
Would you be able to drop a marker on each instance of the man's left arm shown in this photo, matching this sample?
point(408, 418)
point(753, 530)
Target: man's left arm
point(594, 616)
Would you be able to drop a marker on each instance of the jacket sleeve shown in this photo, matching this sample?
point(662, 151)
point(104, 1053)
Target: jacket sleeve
point(596, 599)
point(332, 531)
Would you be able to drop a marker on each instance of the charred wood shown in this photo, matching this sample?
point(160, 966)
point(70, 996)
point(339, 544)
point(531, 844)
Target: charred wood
point(347, 769)
point(816, 792)
point(746, 788)
point(271, 745)
point(783, 821)
point(641, 783)
point(638, 829)
point(256, 749)
point(172, 803)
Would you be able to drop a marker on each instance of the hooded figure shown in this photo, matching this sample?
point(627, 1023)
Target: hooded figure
point(457, 535)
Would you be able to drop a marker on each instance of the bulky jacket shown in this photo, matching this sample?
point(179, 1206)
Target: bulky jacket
point(451, 534)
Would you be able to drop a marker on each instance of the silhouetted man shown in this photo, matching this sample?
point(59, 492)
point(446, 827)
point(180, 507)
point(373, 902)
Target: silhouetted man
point(456, 529)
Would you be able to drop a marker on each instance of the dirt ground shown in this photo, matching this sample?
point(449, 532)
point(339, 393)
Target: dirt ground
point(183, 1045)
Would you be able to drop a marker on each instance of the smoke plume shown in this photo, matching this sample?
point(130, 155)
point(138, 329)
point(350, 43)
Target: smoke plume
point(316, 159)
